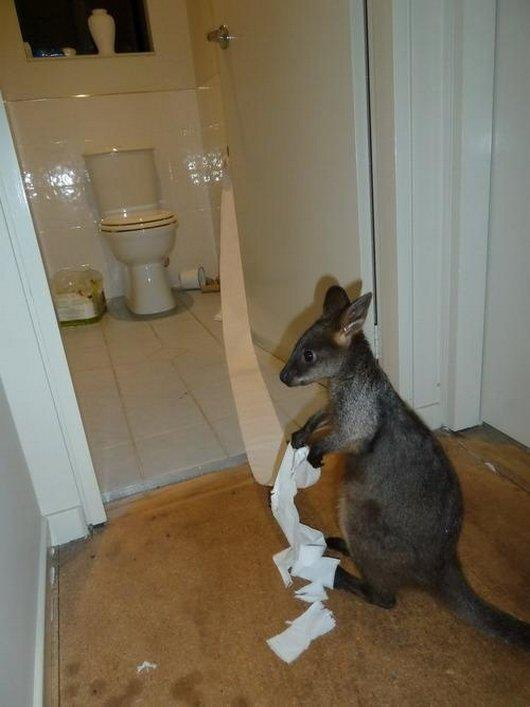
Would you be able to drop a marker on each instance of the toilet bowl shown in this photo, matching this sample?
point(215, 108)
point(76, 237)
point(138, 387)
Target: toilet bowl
point(143, 246)
point(141, 235)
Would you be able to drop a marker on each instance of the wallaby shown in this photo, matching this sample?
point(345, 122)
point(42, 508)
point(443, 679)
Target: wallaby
point(401, 508)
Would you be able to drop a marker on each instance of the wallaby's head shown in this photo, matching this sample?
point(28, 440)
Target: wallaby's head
point(322, 350)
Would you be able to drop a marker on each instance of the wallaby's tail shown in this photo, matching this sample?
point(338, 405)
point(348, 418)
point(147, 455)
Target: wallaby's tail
point(461, 599)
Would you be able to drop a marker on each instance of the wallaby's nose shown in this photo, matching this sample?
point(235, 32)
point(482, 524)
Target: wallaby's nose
point(284, 375)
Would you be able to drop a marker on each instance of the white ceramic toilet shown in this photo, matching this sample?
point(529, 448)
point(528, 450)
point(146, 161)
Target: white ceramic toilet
point(141, 235)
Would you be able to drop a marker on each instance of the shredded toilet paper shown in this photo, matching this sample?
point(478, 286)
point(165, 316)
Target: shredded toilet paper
point(314, 622)
point(303, 558)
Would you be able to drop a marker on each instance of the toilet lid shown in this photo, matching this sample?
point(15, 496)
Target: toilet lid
point(138, 220)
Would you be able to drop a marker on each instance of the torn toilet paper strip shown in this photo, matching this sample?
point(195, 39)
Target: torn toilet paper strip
point(311, 592)
point(259, 424)
point(303, 558)
point(314, 622)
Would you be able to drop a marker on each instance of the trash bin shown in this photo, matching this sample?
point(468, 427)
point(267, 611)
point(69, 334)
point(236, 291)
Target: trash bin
point(78, 295)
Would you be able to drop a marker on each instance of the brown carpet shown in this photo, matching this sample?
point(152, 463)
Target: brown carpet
point(184, 578)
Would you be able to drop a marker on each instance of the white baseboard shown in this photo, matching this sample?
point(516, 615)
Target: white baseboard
point(67, 525)
point(38, 674)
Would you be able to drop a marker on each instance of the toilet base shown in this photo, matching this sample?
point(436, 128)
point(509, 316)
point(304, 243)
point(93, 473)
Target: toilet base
point(149, 290)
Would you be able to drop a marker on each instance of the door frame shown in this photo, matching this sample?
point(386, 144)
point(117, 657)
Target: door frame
point(363, 161)
point(46, 414)
point(442, 346)
point(470, 61)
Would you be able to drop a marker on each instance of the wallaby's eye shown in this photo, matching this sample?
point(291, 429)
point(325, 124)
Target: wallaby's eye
point(309, 356)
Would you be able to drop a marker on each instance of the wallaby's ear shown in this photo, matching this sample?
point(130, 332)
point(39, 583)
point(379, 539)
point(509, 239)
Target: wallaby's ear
point(335, 301)
point(354, 316)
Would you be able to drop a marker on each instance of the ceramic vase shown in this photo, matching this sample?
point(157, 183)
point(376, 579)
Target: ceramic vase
point(103, 31)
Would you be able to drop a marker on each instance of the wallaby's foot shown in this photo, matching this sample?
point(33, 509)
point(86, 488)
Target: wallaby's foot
point(299, 439)
point(349, 583)
point(337, 544)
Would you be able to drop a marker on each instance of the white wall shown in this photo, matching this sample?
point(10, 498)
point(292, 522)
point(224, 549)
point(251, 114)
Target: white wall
point(287, 88)
point(60, 108)
point(20, 529)
point(506, 380)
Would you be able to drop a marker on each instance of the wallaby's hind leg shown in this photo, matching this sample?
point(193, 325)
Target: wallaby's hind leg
point(350, 583)
point(337, 544)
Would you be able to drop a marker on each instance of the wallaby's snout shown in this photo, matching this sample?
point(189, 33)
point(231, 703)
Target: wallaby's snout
point(286, 375)
point(291, 375)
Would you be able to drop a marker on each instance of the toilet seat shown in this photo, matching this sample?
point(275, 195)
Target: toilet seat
point(136, 221)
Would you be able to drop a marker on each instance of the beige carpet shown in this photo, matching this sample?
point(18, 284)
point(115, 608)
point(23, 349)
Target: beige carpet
point(184, 578)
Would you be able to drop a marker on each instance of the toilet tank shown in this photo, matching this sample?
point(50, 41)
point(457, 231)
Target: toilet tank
point(124, 180)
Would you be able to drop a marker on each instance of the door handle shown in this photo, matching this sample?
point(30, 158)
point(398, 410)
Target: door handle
point(221, 35)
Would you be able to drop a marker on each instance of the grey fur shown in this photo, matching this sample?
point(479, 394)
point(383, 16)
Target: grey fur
point(401, 509)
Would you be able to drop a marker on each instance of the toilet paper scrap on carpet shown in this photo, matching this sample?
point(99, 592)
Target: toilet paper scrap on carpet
point(303, 558)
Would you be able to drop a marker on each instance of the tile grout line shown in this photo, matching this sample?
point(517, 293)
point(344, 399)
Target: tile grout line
point(195, 400)
point(126, 417)
point(200, 322)
point(210, 425)
point(188, 392)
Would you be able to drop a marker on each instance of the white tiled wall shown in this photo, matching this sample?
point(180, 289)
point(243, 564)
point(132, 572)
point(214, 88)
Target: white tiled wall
point(213, 133)
point(201, 18)
point(51, 137)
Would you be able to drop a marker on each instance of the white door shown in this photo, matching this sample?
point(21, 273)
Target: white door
point(34, 370)
point(294, 92)
point(506, 375)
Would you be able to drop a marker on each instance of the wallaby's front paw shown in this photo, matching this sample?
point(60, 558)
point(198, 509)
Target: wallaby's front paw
point(298, 439)
point(315, 457)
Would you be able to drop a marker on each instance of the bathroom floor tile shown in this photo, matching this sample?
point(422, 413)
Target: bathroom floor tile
point(130, 341)
point(105, 423)
point(116, 467)
point(215, 399)
point(229, 435)
point(99, 386)
point(179, 450)
point(87, 359)
point(155, 394)
point(201, 376)
point(147, 382)
point(182, 331)
point(205, 307)
point(164, 415)
point(82, 337)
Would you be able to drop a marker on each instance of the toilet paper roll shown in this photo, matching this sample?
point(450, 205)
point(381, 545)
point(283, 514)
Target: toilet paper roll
point(192, 279)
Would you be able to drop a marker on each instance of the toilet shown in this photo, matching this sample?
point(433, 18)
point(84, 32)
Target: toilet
point(140, 234)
